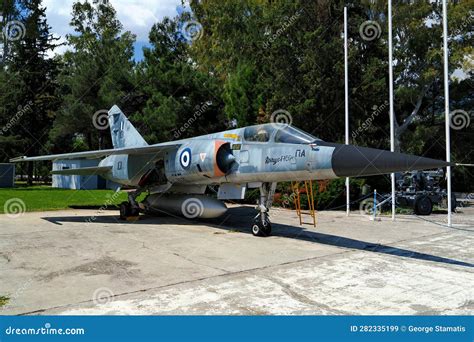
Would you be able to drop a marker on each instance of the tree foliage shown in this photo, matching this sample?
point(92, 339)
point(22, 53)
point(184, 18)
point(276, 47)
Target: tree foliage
point(97, 72)
point(248, 59)
point(28, 99)
point(179, 100)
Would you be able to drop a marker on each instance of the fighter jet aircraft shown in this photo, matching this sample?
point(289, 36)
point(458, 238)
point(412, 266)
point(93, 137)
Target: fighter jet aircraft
point(176, 174)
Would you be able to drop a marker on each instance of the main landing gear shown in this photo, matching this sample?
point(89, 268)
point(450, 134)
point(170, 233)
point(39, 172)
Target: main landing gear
point(127, 211)
point(262, 225)
point(130, 209)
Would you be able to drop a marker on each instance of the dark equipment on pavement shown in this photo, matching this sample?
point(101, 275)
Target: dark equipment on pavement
point(421, 190)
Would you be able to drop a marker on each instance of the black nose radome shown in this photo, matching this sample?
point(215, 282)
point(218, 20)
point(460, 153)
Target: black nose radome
point(354, 161)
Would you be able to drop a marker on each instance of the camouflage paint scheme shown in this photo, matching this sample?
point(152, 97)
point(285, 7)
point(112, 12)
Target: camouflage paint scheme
point(249, 157)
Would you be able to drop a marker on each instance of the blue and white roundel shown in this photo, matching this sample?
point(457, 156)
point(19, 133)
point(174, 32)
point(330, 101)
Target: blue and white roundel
point(185, 158)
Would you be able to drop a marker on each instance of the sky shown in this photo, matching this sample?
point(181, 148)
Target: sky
point(136, 16)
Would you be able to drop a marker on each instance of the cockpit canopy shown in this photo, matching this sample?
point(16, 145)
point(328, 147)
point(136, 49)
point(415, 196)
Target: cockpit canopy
point(278, 133)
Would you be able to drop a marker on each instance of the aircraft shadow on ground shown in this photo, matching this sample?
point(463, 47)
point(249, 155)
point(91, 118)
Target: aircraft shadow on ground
point(239, 219)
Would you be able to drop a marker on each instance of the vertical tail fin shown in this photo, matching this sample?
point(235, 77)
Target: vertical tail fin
point(122, 131)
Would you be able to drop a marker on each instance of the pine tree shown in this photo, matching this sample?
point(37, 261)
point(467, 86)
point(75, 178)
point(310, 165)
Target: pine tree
point(180, 100)
point(32, 81)
point(97, 74)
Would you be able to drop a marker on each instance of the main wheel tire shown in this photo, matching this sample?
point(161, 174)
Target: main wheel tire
point(134, 211)
point(125, 210)
point(423, 206)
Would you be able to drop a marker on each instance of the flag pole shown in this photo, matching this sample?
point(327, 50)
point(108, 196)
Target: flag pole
point(446, 106)
point(392, 115)
point(346, 104)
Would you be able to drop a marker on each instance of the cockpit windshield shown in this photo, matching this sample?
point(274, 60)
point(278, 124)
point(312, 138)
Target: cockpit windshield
point(291, 135)
point(260, 133)
point(282, 134)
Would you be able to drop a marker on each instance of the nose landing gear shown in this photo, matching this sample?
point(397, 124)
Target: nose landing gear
point(262, 225)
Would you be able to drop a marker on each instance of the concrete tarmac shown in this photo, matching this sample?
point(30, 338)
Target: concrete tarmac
point(88, 262)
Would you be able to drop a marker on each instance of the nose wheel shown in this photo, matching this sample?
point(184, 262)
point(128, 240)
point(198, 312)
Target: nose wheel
point(262, 227)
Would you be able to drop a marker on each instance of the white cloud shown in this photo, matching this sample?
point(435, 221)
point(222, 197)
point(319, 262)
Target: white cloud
point(136, 16)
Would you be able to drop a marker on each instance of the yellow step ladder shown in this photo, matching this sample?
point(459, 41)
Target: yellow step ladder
point(305, 189)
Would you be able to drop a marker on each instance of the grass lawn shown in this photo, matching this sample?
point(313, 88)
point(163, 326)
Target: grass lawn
point(39, 198)
point(4, 300)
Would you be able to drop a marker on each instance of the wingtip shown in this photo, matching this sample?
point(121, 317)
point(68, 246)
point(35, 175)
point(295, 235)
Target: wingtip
point(17, 159)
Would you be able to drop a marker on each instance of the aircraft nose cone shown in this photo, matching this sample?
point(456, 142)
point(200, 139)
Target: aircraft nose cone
point(353, 161)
